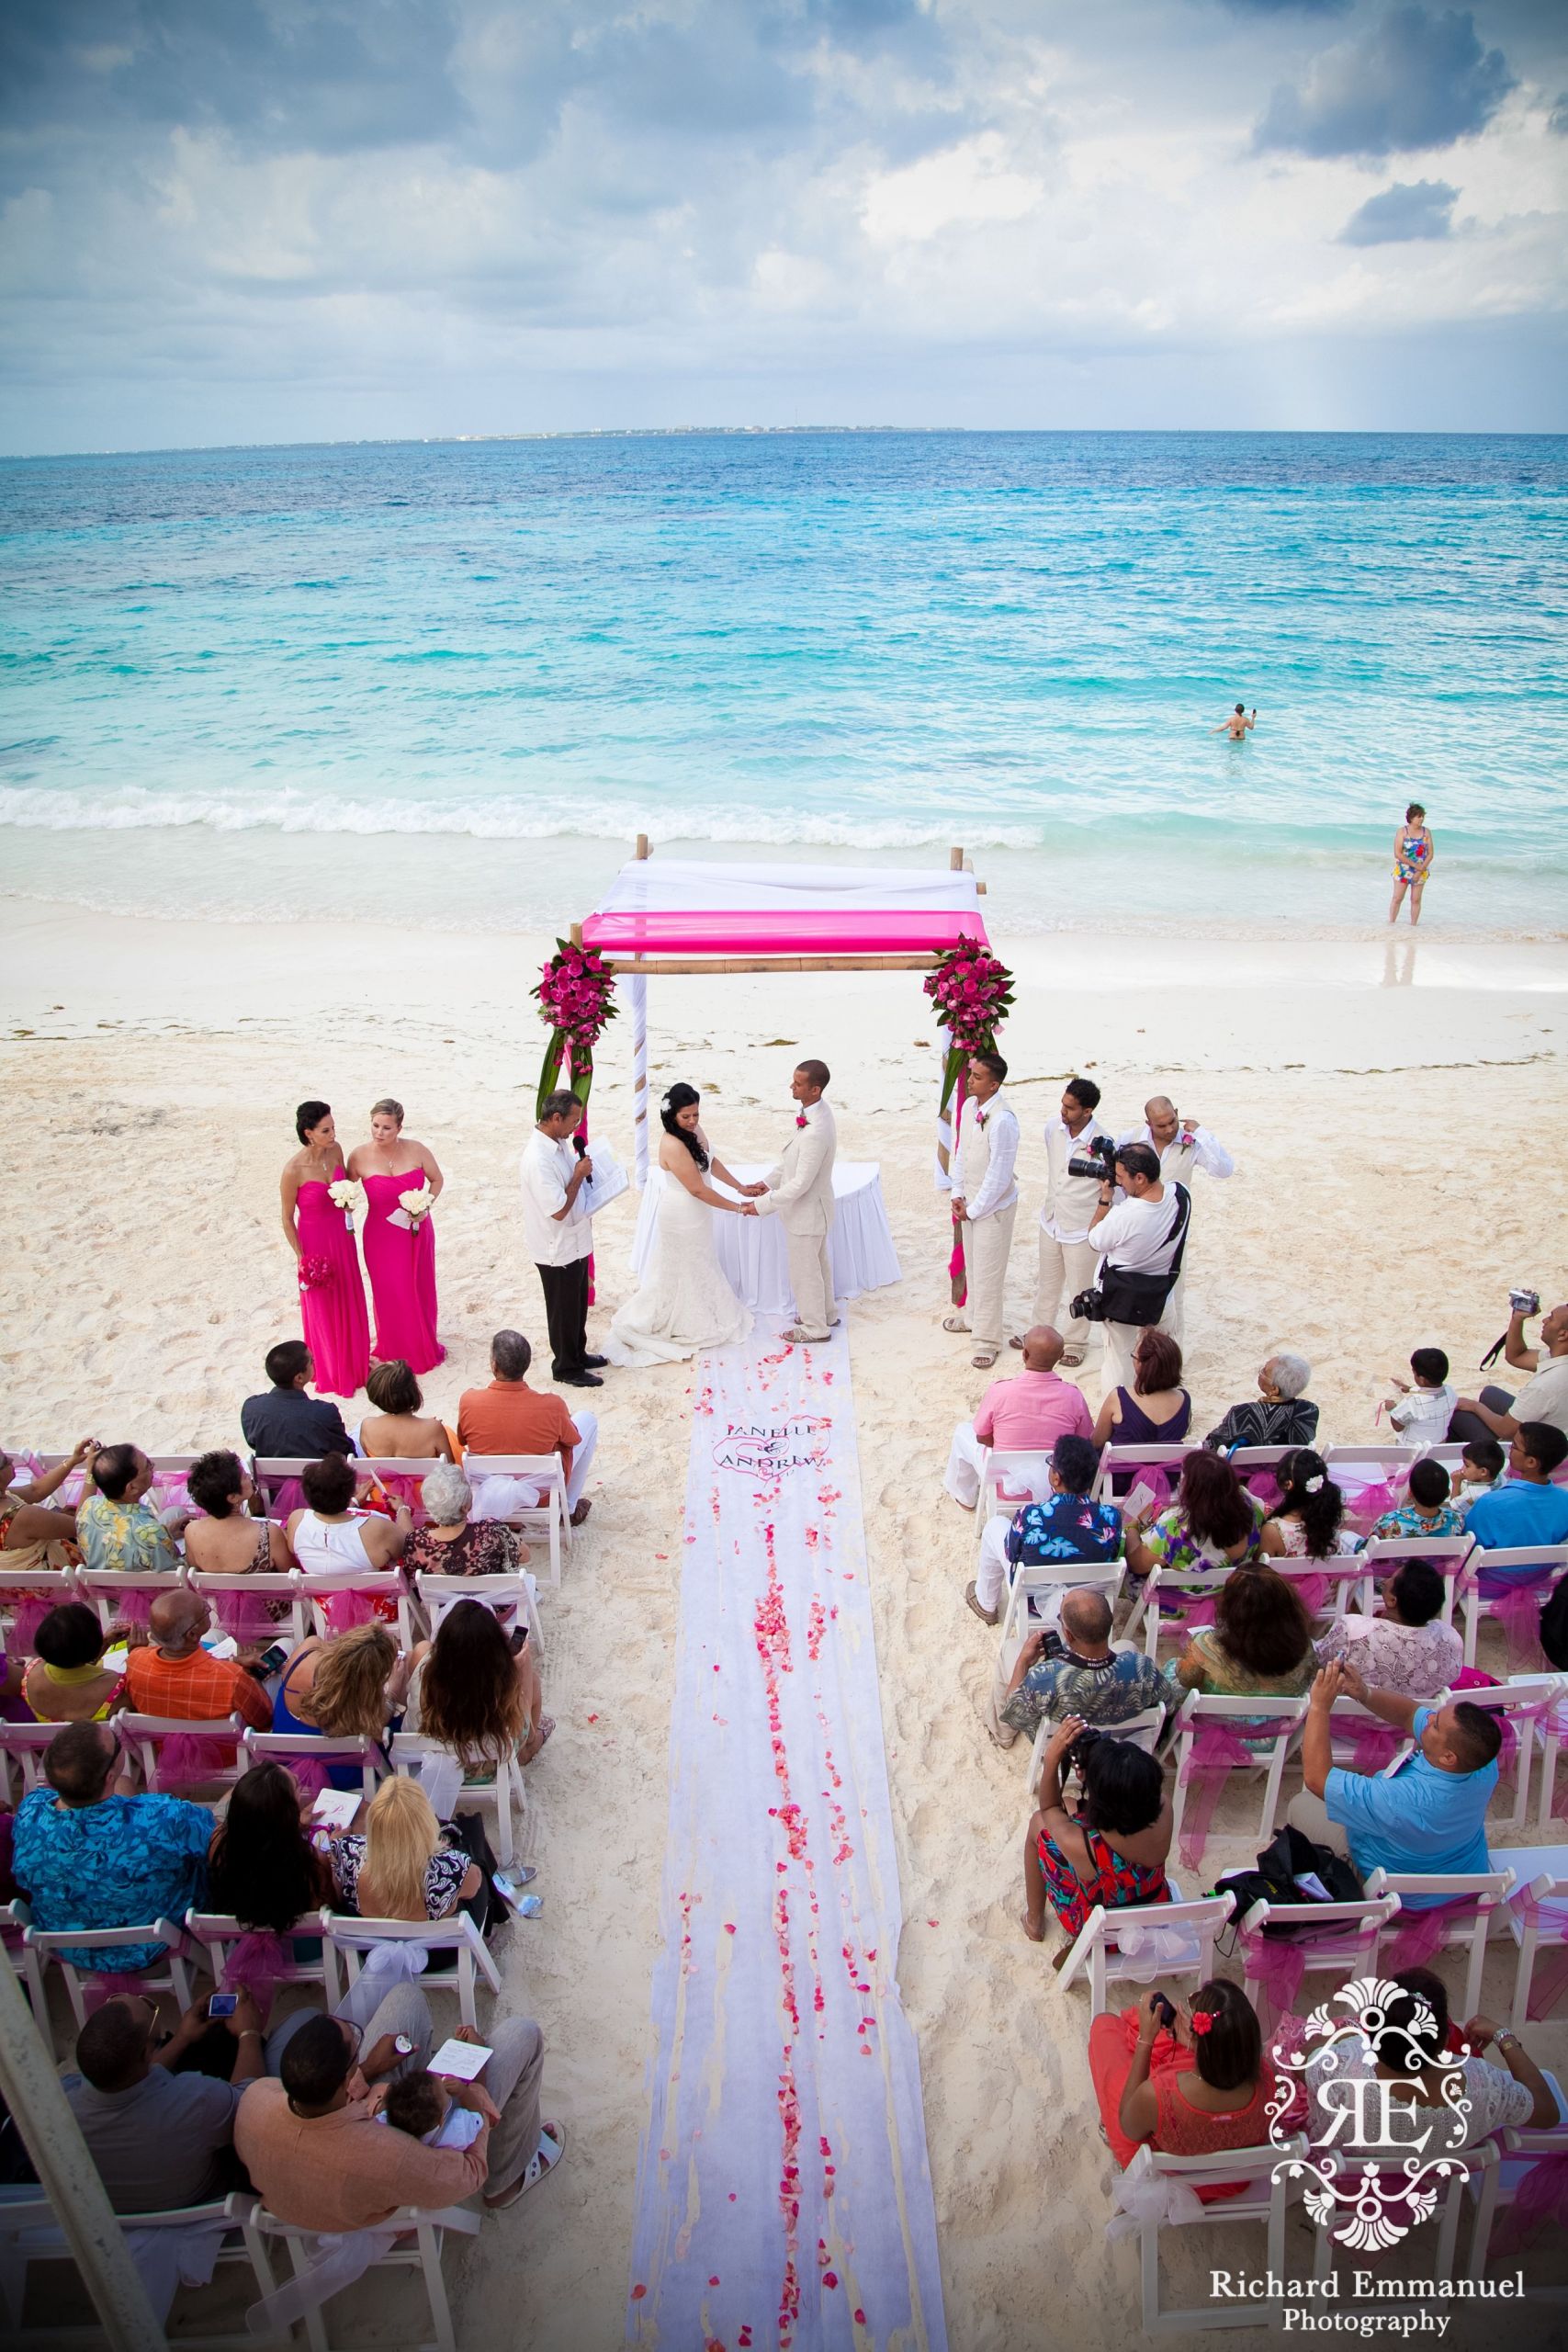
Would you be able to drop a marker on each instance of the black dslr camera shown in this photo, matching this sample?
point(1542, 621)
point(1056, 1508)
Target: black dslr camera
point(1097, 1159)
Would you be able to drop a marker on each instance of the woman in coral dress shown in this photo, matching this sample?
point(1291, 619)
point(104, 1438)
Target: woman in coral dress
point(321, 1233)
point(400, 1245)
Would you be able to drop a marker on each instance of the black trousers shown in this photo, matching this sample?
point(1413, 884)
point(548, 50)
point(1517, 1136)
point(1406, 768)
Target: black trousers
point(566, 1314)
point(1462, 1427)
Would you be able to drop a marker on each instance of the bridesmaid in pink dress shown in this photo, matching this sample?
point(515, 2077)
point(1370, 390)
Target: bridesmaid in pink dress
point(321, 1234)
point(400, 1250)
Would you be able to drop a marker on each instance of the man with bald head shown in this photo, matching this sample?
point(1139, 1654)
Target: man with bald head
point(1183, 1145)
point(174, 1676)
point(1024, 1415)
point(1081, 1675)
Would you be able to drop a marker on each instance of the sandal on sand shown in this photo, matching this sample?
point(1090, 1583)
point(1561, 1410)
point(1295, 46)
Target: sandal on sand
point(548, 2153)
point(546, 1725)
point(955, 1323)
point(1016, 1342)
point(972, 1595)
point(984, 1359)
point(1072, 1357)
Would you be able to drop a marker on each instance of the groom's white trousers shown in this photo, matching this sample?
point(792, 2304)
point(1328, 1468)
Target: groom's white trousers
point(811, 1278)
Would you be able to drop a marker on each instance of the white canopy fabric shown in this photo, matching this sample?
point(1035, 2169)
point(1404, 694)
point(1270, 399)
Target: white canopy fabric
point(694, 885)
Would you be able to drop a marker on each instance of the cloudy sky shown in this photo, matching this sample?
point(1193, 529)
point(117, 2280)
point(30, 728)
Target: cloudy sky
point(286, 219)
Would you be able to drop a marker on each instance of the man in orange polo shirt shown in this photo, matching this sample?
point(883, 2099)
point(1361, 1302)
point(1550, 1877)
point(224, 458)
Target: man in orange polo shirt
point(510, 1417)
point(174, 1676)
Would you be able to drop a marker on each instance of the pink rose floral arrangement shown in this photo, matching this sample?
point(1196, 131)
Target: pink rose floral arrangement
point(575, 999)
point(972, 994)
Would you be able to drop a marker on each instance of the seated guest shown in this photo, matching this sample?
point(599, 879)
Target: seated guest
point(1156, 1410)
point(1024, 1415)
point(330, 1534)
point(1281, 1414)
point(471, 1690)
point(28, 1522)
point(1410, 2050)
point(261, 1868)
point(1480, 1466)
point(1527, 1507)
point(1066, 1527)
point(1259, 1642)
point(452, 1545)
point(510, 1417)
point(1309, 1512)
point(67, 1681)
point(1428, 1512)
point(401, 1866)
point(229, 1541)
point(318, 2157)
point(117, 1531)
point(1430, 1816)
point(1407, 1649)
point(173, 1676)
point(86, 1857)
point(1543, 1398)
point(282, 1423)
point(1191, 2089)
point(1213, 1520)
point(397, 1430)
point(345, 1686)
point(1082, 1676)
point(158, 2138)
point(1111, 1850)
point(1420, 1413)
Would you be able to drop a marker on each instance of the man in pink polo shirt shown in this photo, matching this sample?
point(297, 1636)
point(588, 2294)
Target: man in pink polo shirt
point(1024, 1415)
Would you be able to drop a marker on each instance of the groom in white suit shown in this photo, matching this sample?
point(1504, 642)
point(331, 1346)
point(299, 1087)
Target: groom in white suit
point(800, 1190)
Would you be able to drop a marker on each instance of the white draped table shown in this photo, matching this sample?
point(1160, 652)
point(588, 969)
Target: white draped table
point(751, 1248)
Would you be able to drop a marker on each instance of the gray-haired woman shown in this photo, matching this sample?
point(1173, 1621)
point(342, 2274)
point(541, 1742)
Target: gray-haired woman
point(454, 1544)
point(1281, 1413)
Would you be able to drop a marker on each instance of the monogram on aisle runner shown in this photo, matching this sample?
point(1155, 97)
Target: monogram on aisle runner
point(784, 2192)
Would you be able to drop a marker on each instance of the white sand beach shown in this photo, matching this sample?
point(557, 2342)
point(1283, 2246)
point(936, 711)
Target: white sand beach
point(1396, 1110)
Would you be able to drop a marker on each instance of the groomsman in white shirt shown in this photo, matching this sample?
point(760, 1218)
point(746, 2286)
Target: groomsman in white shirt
point(985, 1200)
point(1183, 1145)
point(1067, 1261)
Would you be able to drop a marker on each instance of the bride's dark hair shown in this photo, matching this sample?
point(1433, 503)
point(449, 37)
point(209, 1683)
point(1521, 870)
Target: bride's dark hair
point(679, 1098)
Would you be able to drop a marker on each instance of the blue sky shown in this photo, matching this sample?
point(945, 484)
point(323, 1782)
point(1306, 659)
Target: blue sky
point(287, 219)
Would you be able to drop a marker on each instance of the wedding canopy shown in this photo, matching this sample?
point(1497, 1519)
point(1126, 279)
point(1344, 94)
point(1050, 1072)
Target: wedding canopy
point(684, 915)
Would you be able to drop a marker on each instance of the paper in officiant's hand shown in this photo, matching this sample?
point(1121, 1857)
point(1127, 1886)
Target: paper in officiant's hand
point(464, 2060)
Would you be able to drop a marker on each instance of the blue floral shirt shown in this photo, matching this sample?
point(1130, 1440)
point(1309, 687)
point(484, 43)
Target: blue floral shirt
point(110, 1865)
point(1408, 1524)
point(1068, 1527)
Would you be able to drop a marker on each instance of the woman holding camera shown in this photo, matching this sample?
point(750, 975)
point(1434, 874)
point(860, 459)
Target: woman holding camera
point(1111, 1850)
point(1189, 2079)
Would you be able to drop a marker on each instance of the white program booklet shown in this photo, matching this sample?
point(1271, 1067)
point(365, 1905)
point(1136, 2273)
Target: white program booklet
point(336, 1808)
point(465, 2060)
point(608, 1182)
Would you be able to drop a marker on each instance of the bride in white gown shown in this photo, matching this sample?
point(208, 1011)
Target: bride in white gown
point(685, 1304)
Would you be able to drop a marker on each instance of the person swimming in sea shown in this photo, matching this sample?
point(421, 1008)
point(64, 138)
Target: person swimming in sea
point(1239, 725)
point(1415, 855)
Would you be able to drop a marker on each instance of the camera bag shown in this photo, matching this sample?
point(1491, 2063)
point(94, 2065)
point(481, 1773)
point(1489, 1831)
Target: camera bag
point(1124, 1296)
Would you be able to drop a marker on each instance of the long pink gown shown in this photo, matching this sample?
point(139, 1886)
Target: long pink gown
point(402, 1266)
point(337, 1328)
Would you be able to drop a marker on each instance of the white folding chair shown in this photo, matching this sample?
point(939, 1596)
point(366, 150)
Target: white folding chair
point(1447, 1555)
point(228, 1593)
point(400, 1480)
point(1479, 2164)
point(1143, 1730)
point(1125, 1462)
point(22, 1751)
point(121, 1597)
point(1549, 1733)
point(273, 1472)
point(1536, 1916)
point(1266, 2193)
point(1464, 1930)
point(1334, 1939)
point(169, 1974)
point(1167, 1599)
point(509, 1599)
point(548, 1520)
point(417, 2247)
point(350, 1940)
point(290, 1748)
point(30, 2232)
point(28, 1595)
point(144, 1738)
point(1037, 1585)
point(1526, 1697)
point(502, 1789)
point(1173, 1941)
point(217, 1933)
point(1531, 1567)
point(15, 1918)
point(1360, 1470)
point(1008, 1481)
point(1281, 1720)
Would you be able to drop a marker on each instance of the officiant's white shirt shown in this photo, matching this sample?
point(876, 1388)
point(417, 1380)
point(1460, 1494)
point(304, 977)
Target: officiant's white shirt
point(546, 1170)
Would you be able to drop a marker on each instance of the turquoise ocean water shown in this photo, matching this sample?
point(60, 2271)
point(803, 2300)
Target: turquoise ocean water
point(449, 681)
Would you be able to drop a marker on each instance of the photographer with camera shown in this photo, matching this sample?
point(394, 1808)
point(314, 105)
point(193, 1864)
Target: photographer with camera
point(1182, 1145)
point(1543, 1398)
point(1139, 1241)
point(1078, 1156)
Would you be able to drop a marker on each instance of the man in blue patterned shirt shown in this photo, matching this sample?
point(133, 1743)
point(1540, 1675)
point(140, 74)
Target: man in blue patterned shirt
point(1066, 1526)
point(87, 1857)
point(1086, 1677)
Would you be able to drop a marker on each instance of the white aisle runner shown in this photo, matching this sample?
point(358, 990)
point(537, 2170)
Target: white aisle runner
point(783, 2193)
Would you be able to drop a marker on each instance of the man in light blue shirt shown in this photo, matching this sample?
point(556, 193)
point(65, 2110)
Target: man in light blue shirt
point(1526, 1508)
point(1430, 1816)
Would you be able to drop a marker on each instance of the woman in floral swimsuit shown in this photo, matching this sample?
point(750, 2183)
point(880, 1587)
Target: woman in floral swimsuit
point(1415, 855)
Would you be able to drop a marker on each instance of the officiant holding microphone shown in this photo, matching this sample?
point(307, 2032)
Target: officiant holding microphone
point(558, 1225)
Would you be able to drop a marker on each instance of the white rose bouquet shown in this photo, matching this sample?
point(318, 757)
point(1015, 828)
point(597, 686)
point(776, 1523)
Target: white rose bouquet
point(417, 1202)
point(341, 1195)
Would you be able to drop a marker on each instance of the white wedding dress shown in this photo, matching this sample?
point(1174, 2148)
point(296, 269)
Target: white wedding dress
point(685, 1303)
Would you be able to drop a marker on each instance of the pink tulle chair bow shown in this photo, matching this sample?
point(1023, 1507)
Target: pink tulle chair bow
point(243, 1615)
point(356, 1607)
point(187, 1760)
point(1376, 1746)
point(28, 1613)
point(1278, 1964)
point(1418, 1936)
point(1266, 1486)
point(1366, 1506)
point(1516, 1602)
point(1217, 1749)
point(1549, 1978)
point(1541, 2198)
point(257, 1964)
